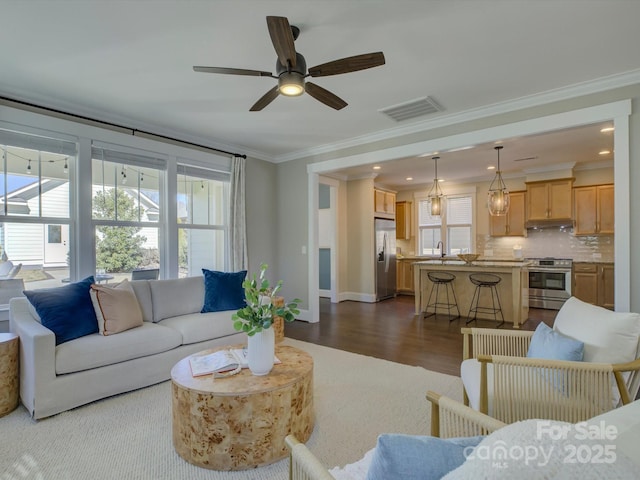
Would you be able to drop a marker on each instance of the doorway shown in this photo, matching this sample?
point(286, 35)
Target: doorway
point(327, 239)
point(56, 245)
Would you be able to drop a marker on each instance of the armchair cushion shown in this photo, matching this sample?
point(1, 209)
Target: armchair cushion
point(552, 345)
point(418, 457)
point(470, 374)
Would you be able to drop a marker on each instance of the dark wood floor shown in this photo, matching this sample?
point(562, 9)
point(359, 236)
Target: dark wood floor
point(390, 330)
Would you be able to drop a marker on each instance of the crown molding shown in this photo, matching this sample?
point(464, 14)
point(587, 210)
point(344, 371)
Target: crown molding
point(563, 93)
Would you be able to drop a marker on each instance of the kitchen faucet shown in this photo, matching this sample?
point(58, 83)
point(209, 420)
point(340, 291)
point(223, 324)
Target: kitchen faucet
point(440, 245)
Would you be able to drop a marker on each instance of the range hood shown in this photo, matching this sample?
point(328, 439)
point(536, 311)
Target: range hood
point(551, 223)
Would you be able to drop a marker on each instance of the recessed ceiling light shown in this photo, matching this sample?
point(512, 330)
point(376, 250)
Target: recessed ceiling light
point(441, 179)
point(428, 154)
point(607, 129)
point(604, 152)
point(377, 167)
point(491, 167)
point(409, 178)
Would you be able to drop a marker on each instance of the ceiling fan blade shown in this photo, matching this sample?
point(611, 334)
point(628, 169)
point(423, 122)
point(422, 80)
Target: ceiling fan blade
point(232, 71)
point(265, 100)
point(325, 96)
point(282, 39)
point(349, 64)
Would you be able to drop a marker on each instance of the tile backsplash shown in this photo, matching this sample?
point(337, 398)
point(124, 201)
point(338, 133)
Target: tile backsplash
point(550, 242)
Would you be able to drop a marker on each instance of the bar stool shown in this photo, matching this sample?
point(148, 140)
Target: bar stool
point(490, 281)
point(444, 279)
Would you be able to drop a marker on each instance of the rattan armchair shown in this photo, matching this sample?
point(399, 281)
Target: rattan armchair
point(513, 387)
point(449, 418)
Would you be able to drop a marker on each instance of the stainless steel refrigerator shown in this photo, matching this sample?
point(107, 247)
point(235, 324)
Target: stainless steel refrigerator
point(385, 232)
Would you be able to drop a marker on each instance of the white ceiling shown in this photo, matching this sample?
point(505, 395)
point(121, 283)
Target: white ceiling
point(130, 62)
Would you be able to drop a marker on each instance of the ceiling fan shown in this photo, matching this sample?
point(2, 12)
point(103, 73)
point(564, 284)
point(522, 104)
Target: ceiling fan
point(291, 68)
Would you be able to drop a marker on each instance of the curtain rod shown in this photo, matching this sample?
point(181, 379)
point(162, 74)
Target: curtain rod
point(133, 131)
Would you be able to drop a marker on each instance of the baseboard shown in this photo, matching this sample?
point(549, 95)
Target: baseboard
point(304, 315)
point(357, 297)
point(325, 293)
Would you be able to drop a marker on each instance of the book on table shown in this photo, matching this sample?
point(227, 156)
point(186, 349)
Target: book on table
point(221, 361)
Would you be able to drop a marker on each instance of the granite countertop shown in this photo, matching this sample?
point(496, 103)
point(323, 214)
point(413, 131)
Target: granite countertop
point(476, 263)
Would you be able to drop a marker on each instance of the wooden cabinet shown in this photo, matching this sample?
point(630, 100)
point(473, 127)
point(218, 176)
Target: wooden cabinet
point(511, 224)
point(404, 283)
point(593, 283)
point(606, 294)
point(403, 220)
point(384, 202)
point(593, 210)
point(550, 200)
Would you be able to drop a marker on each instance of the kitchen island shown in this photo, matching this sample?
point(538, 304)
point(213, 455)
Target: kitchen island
point(512, 290)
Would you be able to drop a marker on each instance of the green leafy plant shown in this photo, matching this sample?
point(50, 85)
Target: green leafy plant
point(260, 311)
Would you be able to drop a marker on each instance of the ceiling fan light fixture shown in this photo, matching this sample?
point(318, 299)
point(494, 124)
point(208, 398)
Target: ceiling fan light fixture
point(291, 84)
point(498, 198)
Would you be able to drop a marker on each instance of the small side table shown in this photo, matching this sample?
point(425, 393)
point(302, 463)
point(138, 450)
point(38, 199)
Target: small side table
point(9, 379)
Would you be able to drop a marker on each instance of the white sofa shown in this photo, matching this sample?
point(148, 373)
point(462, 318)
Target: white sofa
point(58, 378)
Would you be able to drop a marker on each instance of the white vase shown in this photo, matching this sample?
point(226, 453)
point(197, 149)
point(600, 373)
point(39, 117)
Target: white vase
point(261, 351)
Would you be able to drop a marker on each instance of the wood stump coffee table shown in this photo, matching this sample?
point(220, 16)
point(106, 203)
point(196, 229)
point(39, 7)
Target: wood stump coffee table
point(240, 422)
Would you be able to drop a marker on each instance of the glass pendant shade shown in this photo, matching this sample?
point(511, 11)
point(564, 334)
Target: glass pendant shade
point(498, 197)
point(435, 194)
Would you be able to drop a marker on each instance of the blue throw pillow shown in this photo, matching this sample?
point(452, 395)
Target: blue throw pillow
point(414, 457)
point(223, 290)
point(549, 344)
point(67, 311)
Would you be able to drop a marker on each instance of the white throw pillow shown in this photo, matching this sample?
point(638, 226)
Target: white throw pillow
point(608, 337)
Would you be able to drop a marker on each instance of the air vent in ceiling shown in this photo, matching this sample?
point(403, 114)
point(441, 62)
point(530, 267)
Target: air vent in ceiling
point(412, 109)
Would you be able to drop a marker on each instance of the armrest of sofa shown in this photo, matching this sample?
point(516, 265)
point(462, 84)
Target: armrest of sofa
point(37, 351)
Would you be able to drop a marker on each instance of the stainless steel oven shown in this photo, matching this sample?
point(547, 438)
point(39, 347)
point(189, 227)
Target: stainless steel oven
point(549, 282)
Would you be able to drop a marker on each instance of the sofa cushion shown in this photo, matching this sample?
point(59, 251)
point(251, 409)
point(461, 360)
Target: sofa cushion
point(181, 296)
point(143, 293)
point(223, 290)
point(418, 457)
point(199, 327)
point(67, 311)
point(116, 308)
point(95, 351)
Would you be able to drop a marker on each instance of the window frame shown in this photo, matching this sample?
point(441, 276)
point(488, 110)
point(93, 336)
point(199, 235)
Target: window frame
point(453, 192)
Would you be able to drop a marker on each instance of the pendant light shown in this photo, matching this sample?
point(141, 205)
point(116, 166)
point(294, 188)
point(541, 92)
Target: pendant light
point(498, 198)
point(435, 194)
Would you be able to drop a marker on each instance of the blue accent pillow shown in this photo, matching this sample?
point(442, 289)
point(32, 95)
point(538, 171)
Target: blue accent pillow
point(549, 344)
point(67, 311)
point(223, 290)
point(414, 457)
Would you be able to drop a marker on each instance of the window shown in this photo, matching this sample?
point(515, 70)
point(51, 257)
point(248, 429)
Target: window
point(35, 185)
point(202, 205)
point(454, 228)
point(126, 210)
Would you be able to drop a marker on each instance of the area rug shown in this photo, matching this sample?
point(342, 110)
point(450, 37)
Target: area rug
point(129, 436)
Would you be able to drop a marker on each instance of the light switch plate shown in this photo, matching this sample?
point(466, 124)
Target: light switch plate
point(597, 256)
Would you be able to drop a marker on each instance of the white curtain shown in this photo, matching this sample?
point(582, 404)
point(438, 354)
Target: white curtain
point(237, 216)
